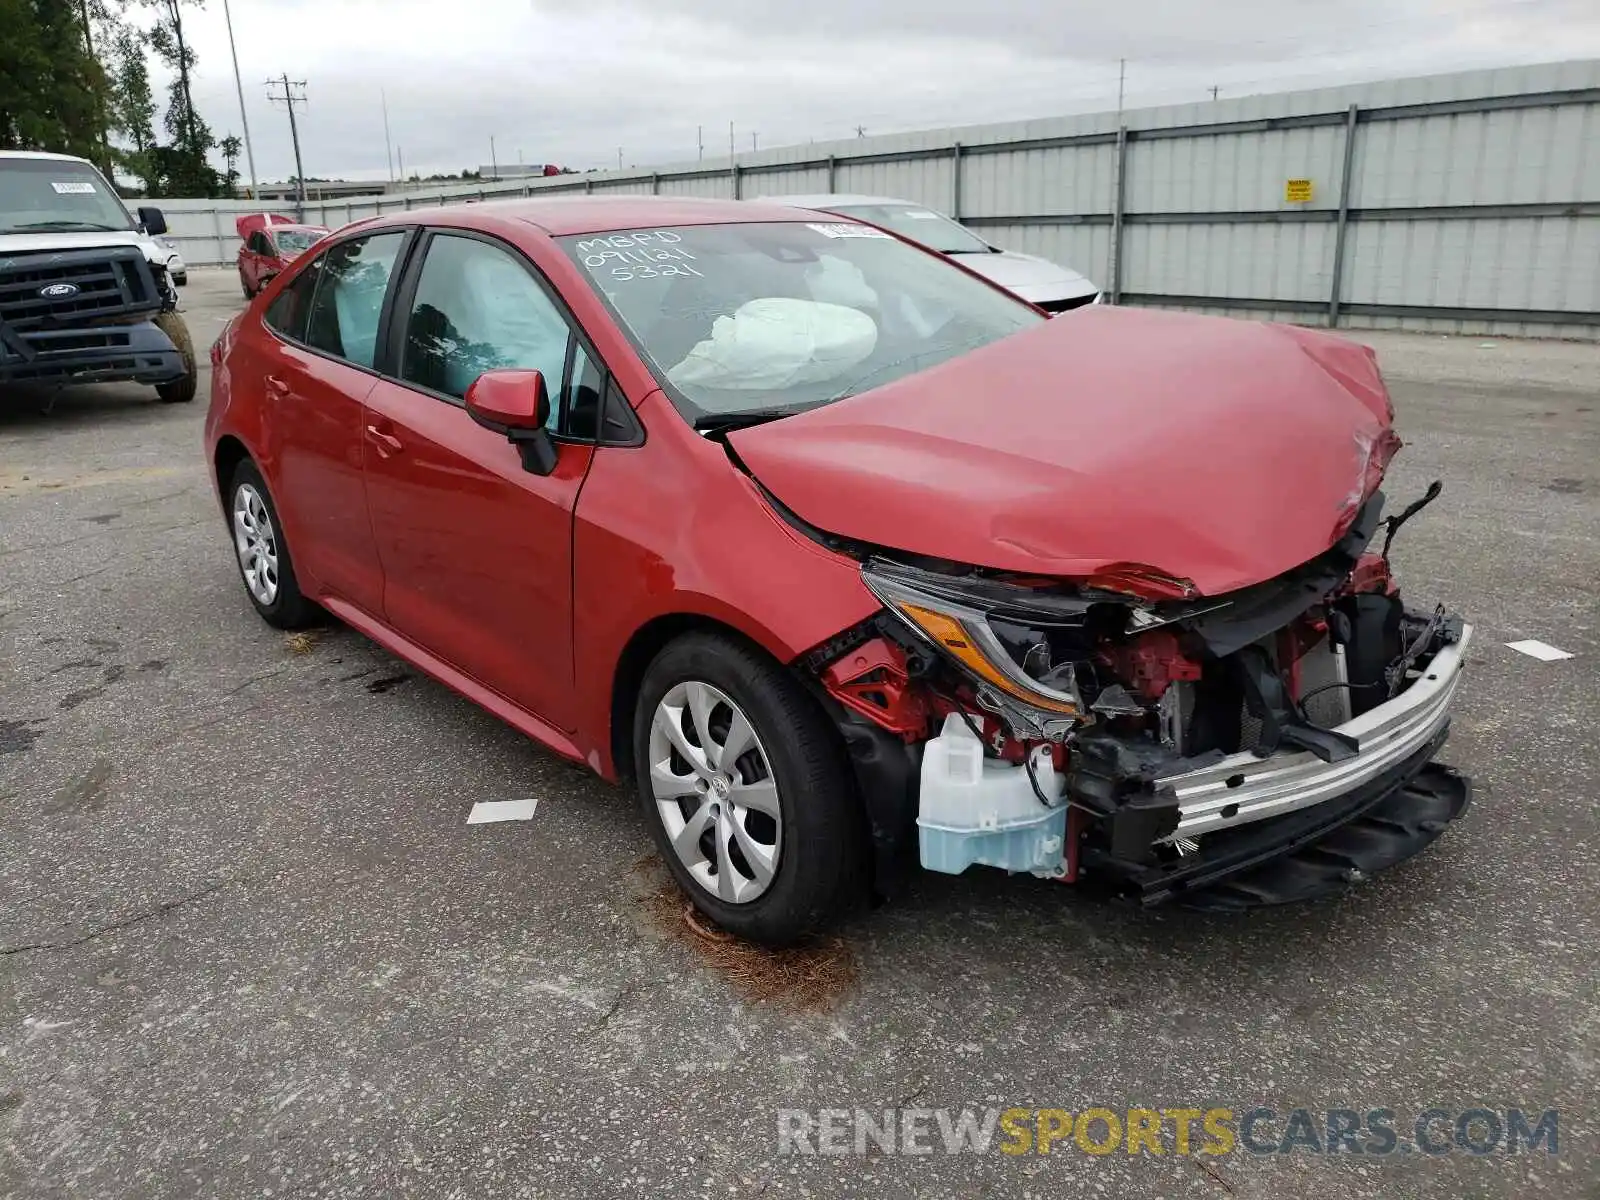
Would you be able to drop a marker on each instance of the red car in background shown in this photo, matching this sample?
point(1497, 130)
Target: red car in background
point(842, 557)
point(270, 244)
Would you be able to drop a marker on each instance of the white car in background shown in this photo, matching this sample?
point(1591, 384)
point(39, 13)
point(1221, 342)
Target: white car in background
point(176, 267)
point(1049, 285)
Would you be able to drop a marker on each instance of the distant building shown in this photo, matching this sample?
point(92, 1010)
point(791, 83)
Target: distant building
point(323, 189)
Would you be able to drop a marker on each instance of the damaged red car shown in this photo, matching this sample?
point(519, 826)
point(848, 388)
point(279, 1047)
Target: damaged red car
point(846, 560)
point(268, 244)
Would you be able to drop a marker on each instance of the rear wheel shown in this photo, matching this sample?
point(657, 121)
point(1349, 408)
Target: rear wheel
point(179, 391)
point(747, 791)
point(263, 554)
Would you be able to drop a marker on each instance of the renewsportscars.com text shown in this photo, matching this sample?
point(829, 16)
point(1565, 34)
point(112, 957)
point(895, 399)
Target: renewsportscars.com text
point(1178, 1131)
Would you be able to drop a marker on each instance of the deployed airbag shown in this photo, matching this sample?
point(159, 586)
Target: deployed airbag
point(776, 342)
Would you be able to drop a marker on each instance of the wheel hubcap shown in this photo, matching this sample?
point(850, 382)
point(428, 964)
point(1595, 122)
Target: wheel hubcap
point(256, 543)
point(714, 789)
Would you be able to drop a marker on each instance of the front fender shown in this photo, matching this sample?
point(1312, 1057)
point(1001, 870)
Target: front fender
point(674, 528)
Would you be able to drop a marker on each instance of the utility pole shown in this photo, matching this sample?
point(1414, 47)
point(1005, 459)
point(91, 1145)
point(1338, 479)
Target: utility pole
point(388, 150)
point(861, 131)
point(619, 158)
point(700, 140)
point(1122, 78)
point(1214, 91)
point(494, 160)
point(290, 98)
point(400, 154)
point(238, 83)
point(753, 142)
point(730, 141)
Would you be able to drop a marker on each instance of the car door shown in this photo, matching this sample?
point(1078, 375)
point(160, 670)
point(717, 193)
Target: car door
point(476, 550)
point(316, 372)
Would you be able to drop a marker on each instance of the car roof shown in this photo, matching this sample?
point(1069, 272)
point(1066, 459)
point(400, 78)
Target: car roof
point(43, 154)
point(838, 200)
point(562, 215)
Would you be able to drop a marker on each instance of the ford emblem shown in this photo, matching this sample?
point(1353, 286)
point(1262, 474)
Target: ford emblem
point(55, 291)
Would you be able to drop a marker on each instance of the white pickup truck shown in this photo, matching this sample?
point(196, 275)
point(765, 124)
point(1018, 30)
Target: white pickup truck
point(85, 293)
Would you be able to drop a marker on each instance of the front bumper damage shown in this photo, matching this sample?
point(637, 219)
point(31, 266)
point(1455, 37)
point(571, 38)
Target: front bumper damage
point(1331, 823)
point(1174, 826)
point(1265, 746)
point(85, 316)
point(1243, 788)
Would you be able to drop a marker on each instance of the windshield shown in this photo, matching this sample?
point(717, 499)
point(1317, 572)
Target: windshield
point(766, 319)
point(922, 225)
point(297, 241)
point(43, 195)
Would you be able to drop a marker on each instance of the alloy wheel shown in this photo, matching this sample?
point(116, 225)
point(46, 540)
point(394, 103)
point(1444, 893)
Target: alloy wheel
point(714, 789)
point(256, 543)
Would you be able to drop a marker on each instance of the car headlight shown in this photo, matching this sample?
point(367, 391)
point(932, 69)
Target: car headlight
point(963, 633)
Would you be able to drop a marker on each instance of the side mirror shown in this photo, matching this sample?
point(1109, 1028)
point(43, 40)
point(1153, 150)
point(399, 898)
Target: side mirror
point(516, 403)
point(154, 223)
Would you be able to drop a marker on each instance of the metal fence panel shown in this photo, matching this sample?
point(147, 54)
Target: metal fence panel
point(1472, 200)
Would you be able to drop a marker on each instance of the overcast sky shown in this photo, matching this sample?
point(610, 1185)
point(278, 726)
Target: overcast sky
point(572, 81)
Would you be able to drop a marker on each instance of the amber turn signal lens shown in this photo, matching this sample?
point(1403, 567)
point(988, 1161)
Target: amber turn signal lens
point(950, 633)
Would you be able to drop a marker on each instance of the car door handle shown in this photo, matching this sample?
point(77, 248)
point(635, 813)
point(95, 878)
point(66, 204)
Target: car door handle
point(386, 443)
point(276, 387)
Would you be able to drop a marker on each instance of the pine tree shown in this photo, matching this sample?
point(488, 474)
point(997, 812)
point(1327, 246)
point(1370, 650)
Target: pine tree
point(52, 89)
point(230, 147)
point(181, 165)
point(133, 106)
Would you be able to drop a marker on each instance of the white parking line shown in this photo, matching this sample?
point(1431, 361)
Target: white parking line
point(486, 811)
point(1543, 651)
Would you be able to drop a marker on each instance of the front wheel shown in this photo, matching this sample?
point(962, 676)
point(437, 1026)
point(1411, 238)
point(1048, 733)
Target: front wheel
point(747, 791)
point(181, 390)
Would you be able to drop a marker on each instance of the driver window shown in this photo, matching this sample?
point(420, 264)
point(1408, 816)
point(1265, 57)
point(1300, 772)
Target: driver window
point(478, 308)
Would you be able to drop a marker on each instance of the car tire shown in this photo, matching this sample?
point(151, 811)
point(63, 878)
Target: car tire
point(782, 847)
point(179, 391)
point(262, 553)
point(181, 278)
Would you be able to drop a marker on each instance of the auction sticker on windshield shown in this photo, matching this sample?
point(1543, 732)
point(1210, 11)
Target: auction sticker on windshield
point(844, 229)
point(73, 187)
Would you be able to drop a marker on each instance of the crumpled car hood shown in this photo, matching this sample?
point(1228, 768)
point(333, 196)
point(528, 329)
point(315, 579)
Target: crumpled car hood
point(1216, 451)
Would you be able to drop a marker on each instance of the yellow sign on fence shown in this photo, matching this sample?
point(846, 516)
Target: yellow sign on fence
point(1297, 191)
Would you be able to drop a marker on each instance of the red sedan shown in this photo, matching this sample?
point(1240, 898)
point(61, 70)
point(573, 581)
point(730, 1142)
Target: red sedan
point(268, 244)
point(844, 558)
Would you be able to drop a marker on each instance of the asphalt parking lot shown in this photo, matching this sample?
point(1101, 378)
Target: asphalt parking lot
point(249, 945)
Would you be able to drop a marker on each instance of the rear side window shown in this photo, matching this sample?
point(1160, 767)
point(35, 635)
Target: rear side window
point(287, 312)
point(344, 315)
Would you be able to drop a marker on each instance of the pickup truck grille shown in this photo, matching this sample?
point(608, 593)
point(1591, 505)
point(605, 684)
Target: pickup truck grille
point(100, 286)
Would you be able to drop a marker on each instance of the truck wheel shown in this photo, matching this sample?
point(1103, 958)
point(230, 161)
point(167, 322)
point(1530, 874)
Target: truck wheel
point(747, 791)
point(179, 391)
